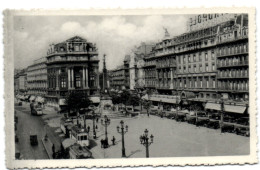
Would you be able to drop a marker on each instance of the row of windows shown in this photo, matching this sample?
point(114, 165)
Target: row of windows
point(233, 61)
point(209, 67)
point(233, 73)
point(234, 49)
point(197, 57)
point(199, 82)
point(233, 85)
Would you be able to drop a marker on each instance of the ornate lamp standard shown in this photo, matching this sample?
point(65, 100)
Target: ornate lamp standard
point(144, 139)
point(122, 132)
point(106, 123)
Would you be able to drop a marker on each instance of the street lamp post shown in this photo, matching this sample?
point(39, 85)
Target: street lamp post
point(122, 132)
point(106, 123)
point(144, 139)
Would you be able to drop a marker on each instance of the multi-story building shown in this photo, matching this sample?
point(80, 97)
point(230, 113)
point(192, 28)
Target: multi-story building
point(150, 76)
point(119, 77)
point(136, 65)
point(72, 65)
point(37, 77)
point(232, 59)
point(202, 65)
point(23, 81)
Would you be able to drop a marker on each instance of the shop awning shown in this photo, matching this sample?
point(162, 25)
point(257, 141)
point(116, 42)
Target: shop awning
point(234, 109)
point(39, 99)
point(156, 99)
point(145, 97)
point(213, 106)
point(95, 99)
point(32, 98)
point(62, 102)
point(171, 100)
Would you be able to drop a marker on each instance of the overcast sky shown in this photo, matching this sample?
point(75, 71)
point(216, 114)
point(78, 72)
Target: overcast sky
point(114, 35)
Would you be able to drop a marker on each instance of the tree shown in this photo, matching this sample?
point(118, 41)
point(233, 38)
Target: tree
point(77, 100)
point(125, 95)
point(134, 100)
point(116, 99)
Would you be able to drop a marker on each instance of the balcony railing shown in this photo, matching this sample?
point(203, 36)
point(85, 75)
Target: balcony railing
point(232, 53)
point(228, 88)
point(232, 76)
point(231, 64)
point(232, 39)
point(165, 65)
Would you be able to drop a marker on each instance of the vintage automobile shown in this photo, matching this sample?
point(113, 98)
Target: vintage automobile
point(228, 127)
point(202, 119)
point(33, 140)
point(181, 115)
point(191, 117)
point(16, 139)
point(242, 127)
point(214, 121)
point(170, 114)
point(154, 112)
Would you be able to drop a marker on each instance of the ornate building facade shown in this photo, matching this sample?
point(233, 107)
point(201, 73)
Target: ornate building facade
point(202, 65)
point(72, 65)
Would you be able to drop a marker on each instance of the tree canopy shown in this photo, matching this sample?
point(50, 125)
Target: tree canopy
point(77, 100)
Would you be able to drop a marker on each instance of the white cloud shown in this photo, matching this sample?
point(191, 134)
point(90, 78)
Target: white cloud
point(113, 35)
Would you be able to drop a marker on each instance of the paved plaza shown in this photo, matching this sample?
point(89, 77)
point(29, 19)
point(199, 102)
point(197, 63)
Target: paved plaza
point(171, 138)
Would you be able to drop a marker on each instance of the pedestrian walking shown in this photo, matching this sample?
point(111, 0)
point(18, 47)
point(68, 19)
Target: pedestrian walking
point(53, 150)
point(88, 129)
point(97, 120)
point(113, 140)
point(102, 143)
point(96, 127)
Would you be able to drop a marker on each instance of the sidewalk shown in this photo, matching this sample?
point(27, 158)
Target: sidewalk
point(47, 144)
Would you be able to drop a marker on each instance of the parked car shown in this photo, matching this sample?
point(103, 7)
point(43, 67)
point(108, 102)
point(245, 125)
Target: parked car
point(181, 115)
point(16, 139)
point(191, 117)
point(242, 126)
point(214, 121)
point(202, 119)
point(228, 127)
point(33, 140)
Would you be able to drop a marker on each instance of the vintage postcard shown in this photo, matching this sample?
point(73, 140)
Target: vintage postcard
point(110, 88)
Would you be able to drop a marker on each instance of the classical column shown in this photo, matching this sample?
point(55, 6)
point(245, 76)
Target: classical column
point(84, 76)
point(171, 84)
point(69, 86)
point(57, 78)
point(87, 78)
point(72, 78)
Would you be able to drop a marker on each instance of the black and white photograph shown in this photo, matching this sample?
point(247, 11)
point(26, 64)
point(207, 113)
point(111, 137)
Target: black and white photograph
point(124, 86)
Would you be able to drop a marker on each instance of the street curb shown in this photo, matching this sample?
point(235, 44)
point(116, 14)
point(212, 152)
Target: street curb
point(45, 148)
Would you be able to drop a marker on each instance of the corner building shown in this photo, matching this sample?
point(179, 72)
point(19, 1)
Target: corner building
point(72, 65)
point(202, 66)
